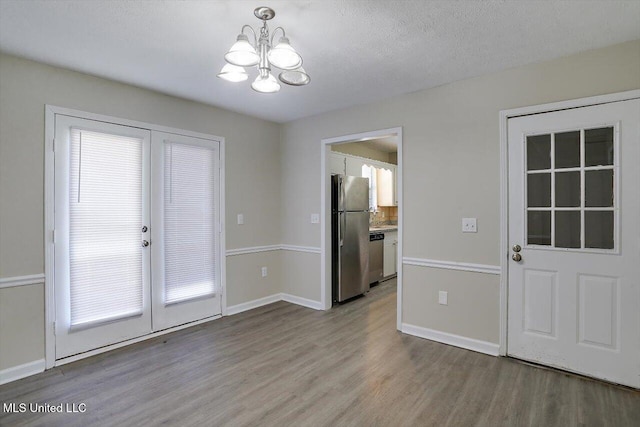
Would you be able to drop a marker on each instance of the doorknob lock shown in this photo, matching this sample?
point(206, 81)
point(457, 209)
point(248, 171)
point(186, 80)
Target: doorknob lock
point(145, 243)
point(516, 248)
point(516, 257)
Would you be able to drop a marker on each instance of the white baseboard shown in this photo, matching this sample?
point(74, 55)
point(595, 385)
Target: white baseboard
point(250, 305)
point(309, 303)
point(21, 371)
point(451, 339)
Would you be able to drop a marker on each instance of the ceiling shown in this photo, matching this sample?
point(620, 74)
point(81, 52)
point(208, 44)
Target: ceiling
point(355, 51)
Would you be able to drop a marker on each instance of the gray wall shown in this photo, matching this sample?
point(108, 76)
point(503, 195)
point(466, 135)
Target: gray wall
point(252, 174)
point(450, 170)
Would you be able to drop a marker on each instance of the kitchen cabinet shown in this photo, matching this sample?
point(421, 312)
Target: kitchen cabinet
point(385, 182)
point(390, 253)
point(354, 165)
point(337, 163)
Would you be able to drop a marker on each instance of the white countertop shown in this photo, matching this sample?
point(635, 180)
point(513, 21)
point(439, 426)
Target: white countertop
point(383, 228)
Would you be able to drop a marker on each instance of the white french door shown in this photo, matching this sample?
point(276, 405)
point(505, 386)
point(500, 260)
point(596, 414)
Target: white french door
point(136, 232)
point(185, 230)
point(574, 209)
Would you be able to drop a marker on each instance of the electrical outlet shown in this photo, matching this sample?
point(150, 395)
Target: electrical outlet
point(315, 218)
point(264, 271)
point(443, 297)
point(469, 225)
point(240, 219)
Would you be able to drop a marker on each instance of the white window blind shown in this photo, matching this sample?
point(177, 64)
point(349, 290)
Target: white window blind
point(105, 219)
point(189, 222)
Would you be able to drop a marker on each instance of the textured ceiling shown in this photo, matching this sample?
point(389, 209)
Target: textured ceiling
point(355, 51)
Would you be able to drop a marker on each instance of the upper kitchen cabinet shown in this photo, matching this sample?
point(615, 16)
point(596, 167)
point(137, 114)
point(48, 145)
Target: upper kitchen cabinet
point(354, 165)
point(338, 164)
point(386, 184)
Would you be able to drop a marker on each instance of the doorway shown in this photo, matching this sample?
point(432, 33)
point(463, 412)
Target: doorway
point(136, 236)
point(573, 209)
point(351, 163)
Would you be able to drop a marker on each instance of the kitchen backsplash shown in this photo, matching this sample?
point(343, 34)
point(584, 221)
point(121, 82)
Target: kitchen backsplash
point(386, 215)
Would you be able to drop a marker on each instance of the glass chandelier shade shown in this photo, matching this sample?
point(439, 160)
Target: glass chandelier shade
point(266, 84)
point(263, 54)
point(284, 56)
point(297, 77)
point(242, 54)
point(233, 73)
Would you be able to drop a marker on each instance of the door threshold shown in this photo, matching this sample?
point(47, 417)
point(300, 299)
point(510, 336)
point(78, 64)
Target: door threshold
point(570, 373)
point(100, 350)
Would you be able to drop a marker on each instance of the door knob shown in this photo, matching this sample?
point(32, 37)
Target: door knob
point(144, 228)
point(516, 257)
point(516, 248)
point(145, 243)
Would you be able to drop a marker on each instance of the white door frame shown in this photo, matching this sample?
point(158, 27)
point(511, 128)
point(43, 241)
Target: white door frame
point(49, 226)
point(325, 188)
point(504, 252)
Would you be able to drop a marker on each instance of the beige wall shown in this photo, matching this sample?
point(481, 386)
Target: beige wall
point(450, 170)
point(252, 174)
point(361, 150)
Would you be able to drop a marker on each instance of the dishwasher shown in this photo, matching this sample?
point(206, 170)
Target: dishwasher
point(376, 256)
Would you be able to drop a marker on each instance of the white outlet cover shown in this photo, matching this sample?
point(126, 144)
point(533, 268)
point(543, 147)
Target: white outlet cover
point(443, 297)
point(240, 219)
point(264, 271)
point(315, 218)
point(469, 225)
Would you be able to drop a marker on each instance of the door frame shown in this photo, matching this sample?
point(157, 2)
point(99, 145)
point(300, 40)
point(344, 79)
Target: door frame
point(50, 112)
point(504, 252)
point(325, 213)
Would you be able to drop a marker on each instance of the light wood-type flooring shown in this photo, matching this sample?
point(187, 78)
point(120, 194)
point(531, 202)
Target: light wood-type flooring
point(285, 365)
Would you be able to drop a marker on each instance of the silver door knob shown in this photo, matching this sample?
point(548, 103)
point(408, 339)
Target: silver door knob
point(516, 257)
point(516, 248)
point(144, 228)
point(145, 243)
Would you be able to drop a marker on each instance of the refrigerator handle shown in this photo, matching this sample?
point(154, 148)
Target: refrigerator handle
point(341, 225)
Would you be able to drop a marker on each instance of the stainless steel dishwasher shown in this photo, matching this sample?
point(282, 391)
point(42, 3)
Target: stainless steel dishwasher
point(376, 256)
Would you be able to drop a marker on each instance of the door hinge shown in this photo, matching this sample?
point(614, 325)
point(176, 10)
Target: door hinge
point(53, 146)
point(54, 327)
point(53, 236)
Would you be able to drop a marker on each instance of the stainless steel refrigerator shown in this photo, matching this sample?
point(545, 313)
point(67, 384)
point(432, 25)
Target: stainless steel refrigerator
point(349, 236)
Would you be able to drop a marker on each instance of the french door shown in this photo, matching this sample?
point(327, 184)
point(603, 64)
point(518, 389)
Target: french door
point(136, 243)
point(574, 209)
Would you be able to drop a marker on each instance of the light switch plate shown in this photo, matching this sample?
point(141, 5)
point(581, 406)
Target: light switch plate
point(469, 225)
point(315, 218)
point(264, 271)
point(443, 297)
point(240, 219)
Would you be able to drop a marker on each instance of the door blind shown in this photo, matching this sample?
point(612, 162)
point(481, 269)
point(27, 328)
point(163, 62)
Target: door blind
point(105, 219)
point(189, 222)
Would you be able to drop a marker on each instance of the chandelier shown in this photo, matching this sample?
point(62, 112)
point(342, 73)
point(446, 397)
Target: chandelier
point(263, 54)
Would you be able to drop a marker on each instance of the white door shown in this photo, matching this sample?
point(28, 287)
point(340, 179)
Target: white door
point(102, 274)
point(136, 232)
point(574, 296)
point(185, 232)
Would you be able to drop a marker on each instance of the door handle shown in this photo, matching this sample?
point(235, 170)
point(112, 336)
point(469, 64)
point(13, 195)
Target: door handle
point(341, 228)
point(516, 257)
point(145, 243)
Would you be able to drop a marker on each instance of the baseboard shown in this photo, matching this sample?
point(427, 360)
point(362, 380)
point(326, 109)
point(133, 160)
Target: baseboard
point(451, 339)
point(21, 371)
point(309, 303)
point(250, 305)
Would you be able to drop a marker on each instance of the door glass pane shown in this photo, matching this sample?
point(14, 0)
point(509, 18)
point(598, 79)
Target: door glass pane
point(567, 189)
point(567, 229)
point(598, 145)
point(538, 152)
point(105, 219)
point(567, 149)
point(599, 188)
point(539, 228)
point(189, 222)
point(598, 229)
point(539, 190)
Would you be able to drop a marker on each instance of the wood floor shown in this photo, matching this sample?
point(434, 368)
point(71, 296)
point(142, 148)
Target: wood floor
point(285, 365)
